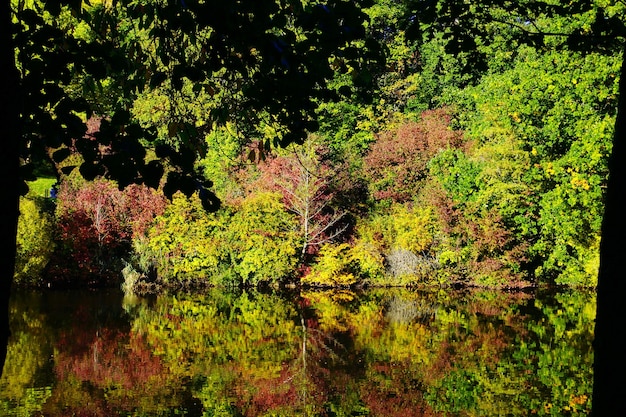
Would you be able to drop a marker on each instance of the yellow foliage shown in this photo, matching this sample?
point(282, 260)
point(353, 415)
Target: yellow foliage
point(344, 265)
point(403, 228)
point(332, 267)
point(34, 241)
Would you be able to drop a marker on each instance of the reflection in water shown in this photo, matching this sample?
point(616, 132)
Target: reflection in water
point(377, 353)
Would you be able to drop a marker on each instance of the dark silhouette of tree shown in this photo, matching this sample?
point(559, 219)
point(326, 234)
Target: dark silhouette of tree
point(466, 25)
point(9, 171)
point(267, 62)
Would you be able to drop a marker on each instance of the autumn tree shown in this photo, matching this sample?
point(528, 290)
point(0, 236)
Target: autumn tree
point(397, 162)
point(308, 183)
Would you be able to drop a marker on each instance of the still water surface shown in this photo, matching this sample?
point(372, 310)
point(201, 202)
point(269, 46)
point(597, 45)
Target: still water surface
point(374, 353)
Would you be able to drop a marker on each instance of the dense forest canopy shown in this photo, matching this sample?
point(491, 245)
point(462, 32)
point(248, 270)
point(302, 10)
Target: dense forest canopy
point(333, 143)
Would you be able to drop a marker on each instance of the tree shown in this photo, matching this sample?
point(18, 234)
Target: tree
point(9, 170)
point(273, 58)
point(580, 25)
point(308, 182)
point(398, 161)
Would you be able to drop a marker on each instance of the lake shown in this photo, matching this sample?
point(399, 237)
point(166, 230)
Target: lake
point(341, 353)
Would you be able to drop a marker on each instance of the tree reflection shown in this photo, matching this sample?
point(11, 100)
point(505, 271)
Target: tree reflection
point(379, 353)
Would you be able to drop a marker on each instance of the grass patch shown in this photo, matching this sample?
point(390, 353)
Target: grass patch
point(40, 187)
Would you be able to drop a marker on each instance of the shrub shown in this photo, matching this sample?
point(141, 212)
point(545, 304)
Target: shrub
point(252, 242)
point(402, 228)
point(402, 263)
point(185, 243)
point(96, 224)
point(332, 267)
point(264, 239)
point(35, 242)
point(398, 161)
point(344, 265)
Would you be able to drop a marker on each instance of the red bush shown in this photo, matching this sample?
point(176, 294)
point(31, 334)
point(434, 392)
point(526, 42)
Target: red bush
point(397, 161)
point(96, 223)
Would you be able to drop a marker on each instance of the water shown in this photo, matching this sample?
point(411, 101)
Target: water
point(376, 353)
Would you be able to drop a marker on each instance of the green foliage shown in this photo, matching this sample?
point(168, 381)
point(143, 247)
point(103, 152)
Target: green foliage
point(457, 174)
point(186, 243)
point(264, 240)
point(516, 195)
point(224, 157)
point(35, 240)
point(547, 146)
point(250, 243)
point(41, 187)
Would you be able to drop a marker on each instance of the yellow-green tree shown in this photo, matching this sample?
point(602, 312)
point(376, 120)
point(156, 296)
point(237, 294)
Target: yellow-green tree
point(35, 242)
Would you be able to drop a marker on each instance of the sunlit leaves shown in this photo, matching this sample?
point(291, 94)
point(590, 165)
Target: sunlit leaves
point(251, 242)
point(559, 139)
point(35, 241)
point(264, 240)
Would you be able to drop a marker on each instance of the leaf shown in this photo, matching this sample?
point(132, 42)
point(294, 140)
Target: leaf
point(209, 200)
point(60, 155)
point(68, 169)
point(152, 174)
point(90, 170)
point(157, 79)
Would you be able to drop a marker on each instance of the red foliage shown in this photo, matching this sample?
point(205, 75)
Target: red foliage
point(397, 161)
point(96, 225)
point(103, 360)
point(309, 188)
point(143, 204)
point(398, 396)
point(273, 394)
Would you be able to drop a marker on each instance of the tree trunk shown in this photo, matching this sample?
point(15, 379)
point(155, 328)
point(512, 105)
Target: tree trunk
point(610, 332)
point(9, 170)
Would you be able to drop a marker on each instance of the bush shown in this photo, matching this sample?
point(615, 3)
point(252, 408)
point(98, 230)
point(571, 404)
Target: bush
point(35, 242)
point(345, 265)
point(252, 242)
point(185, 243)
point(402, 228)
point(96, 225)
point(397, 162)
point(403, 263)
point(264, 240)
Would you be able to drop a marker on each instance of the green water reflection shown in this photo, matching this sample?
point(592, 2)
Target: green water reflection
point(377, 353)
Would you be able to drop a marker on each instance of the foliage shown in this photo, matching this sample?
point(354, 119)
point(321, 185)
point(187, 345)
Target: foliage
point(249, 243)
point(41, 187)
point(35, 240)
point(309, 185)
point(185, 242)
point(386, 352)
point(504, 143)
point(264, 240)
point(401, 234)
point(397, 162)
point(225, 157)
point(182, 73)
point(557, 168)
point(339, 265)
point(96, 224)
